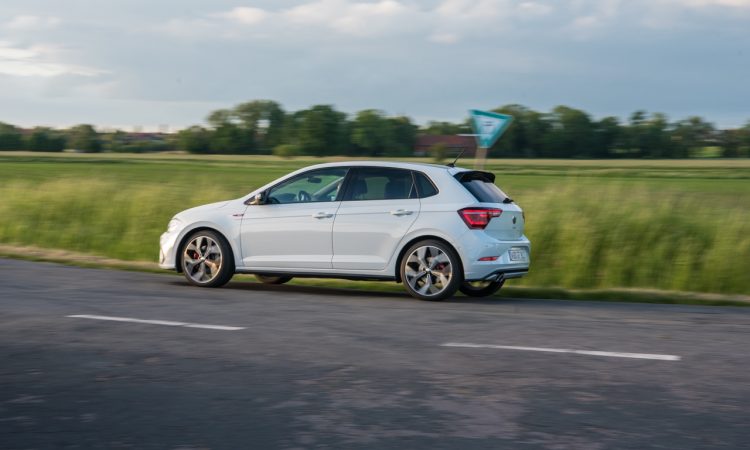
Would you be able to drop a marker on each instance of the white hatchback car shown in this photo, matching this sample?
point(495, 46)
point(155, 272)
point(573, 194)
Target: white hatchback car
point(435, 228)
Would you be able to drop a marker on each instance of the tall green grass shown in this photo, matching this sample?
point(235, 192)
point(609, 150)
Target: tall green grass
point(605, 236)
point(643, 228)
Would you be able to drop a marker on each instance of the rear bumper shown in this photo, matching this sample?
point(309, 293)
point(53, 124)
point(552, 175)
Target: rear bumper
point(479, 245)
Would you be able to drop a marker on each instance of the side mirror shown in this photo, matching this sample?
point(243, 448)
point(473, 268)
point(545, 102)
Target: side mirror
point(257, 199)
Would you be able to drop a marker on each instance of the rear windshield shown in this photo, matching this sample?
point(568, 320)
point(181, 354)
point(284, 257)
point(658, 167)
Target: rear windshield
point(482, 187)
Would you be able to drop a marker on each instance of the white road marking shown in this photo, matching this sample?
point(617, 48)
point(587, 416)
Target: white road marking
point(167, 323)
point(565, 350)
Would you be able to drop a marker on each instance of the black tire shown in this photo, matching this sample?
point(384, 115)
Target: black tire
point(418, 286)
point(207, 259)
point(480, 290)
point(271, 279)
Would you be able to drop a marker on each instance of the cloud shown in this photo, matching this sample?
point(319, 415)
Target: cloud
point(38, 61)
point(351, 18)
point(29, 22)
point(534, 8)
point(424, 58)
point(445, 38)
point(245, 15)
point(585, 22)
point(473, 9)
point(724, 3)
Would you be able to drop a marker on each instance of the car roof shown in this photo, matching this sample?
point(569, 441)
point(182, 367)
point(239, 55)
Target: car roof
point(393, 164)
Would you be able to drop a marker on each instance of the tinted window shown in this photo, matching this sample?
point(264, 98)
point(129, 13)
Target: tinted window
point(313, 186)
point(377, 183)
point(424, 185)
point(482, 187)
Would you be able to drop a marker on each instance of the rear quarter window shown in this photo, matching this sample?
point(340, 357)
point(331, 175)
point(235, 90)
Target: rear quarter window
point(425, 187)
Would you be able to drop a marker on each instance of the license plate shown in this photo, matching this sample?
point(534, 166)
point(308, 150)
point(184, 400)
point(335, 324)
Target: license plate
point(517, 254)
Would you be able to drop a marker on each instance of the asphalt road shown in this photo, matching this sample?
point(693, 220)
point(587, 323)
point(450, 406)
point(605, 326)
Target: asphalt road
point(323, 368)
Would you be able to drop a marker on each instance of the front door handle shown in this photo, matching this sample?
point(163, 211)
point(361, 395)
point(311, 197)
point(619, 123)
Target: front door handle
point(322, 215)
point(401, 212)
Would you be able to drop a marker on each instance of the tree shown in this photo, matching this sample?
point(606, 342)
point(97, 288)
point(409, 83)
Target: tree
point(607, 135)
point(404, 134)
point(372, 132)
point(446, 128)
point(571, 134)
point(513, 142)
point(227, 135)
point(635, 134)
point(264, 121)
point(537, 126)
point(691, 135)
point(730, 142)
point(44, 139)
point(220, 117)
point(745, 140)
point(320, 131)
point(10, 137)
point(194, 140)
point(229, 138)
point(528, 134)
point(84, 138)
point(649, 136)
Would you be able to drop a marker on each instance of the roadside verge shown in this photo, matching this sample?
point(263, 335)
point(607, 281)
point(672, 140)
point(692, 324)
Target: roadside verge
point(614, 295)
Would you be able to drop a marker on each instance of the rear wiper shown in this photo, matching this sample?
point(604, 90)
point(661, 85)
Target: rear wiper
point(508, 200)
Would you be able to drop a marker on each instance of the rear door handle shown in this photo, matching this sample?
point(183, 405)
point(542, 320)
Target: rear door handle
point(401, 212)
point(322, 215)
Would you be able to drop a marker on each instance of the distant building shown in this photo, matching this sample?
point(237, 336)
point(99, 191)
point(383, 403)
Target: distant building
point(453, 143)
point(140, 136)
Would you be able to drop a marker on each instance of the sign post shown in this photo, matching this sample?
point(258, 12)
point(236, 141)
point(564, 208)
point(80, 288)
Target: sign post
point(488, 127)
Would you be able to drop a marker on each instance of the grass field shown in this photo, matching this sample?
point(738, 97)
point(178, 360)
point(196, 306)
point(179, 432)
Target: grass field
point(674, 225)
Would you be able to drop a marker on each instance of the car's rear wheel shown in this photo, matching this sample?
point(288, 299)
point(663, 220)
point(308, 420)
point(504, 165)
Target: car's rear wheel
point(431, 270)
point(270, 279)
point(207, 259)
point(480, 288)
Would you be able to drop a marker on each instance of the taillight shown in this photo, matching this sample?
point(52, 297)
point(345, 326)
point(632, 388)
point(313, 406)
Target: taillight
point(478, 218)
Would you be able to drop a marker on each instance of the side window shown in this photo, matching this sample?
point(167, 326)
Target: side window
point(424, 185)
point(314, 186)
point(380, 183)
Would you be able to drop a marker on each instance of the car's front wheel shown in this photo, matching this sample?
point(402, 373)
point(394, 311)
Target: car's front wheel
point(207, 259)
point(431, 270)
point(480, 288)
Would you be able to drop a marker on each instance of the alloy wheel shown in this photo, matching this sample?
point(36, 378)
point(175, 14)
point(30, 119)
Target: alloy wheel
point(428, 270)
point(202, 259)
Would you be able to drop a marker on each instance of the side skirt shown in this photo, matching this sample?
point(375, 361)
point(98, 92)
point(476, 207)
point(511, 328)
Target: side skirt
point(342, 276)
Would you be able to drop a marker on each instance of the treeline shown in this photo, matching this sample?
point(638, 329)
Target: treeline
point(263, 127)
point(83, 138)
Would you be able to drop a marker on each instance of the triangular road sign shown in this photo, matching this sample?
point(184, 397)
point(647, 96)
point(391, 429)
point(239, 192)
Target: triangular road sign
point(489, 126)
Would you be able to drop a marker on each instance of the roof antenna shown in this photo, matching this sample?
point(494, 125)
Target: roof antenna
point(453, 164)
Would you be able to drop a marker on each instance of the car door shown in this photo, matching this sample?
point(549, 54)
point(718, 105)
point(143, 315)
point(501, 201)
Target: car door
point(293, 228)
point(378, 208)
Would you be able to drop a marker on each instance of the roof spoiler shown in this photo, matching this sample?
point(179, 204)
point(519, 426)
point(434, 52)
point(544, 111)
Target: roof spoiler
point(471, 175)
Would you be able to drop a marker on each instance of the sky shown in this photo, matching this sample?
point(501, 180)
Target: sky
point(139, 63)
